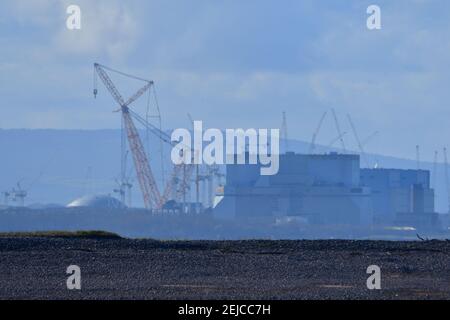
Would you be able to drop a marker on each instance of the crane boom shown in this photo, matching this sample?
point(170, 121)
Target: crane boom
point(369, 138)
point(339, 132)
point(434, 178)
point(358, 141)
point(312, 146)
point(332, 142)
point(109, 84)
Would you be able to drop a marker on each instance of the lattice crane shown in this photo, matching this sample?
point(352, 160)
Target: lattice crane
point(338, 128)
point(179, 182)
point(447, 178)
point(358, 141)
point(312, 146)
point(147, 183)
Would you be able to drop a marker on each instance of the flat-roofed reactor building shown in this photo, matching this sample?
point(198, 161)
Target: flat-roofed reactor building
point(322, 189)
point(401, 196)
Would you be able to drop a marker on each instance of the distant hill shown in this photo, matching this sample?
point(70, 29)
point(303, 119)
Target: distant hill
point(57, 166)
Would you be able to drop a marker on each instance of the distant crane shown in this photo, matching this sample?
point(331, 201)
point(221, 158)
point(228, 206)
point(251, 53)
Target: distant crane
point(124, 191)
point(360, 146)
point(6, 196)
point(198, 178)
point(209, 177)
point(19, 195)
point(369, 138)
point(149, 188)
point(214, 172)
point(156, 116)
point(179, 183)
point(284, 132)
point(447, 181)
point(120, 190)
point(332, 142)
point(434, 178)
point(150, 193)
point(312, 146)
point(125, 185)
point(338, 128)
point(418, 157)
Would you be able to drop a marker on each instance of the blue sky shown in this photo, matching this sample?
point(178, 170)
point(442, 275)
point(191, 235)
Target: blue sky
point(237, 64)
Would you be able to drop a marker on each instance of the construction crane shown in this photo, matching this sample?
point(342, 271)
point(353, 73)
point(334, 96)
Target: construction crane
point(312, 146)
point(332, 142)
point(214, 172)
point(125, 185)
point(360, 146)
point(120, 190)
point(369, 138)
point(124, 191)
point(156, 115)
point(338, 128)
point(147, 183)
point(150, 192)
point(447, 181)
point(284, 132)
point(6, 195)
point(210, 175)
point(418, 157)
point(197, 168)
point(434, 178)
point(19, 195)
point(179, 183)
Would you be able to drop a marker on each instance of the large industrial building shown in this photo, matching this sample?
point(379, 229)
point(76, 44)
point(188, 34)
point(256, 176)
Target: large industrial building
point(328, 189)
point(322, 189)
point(401, 196)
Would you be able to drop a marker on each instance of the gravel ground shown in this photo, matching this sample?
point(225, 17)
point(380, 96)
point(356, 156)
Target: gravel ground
point(35, 268)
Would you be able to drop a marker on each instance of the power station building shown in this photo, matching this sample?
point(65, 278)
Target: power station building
point(322, 189)
point(328, 189)
point(402, 197)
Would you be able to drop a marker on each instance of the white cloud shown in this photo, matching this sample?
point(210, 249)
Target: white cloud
point(108, 27)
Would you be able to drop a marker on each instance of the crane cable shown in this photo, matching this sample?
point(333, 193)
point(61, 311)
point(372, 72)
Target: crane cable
point(124, 74)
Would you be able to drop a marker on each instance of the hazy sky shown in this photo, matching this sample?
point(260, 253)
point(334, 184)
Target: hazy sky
point(237, 63)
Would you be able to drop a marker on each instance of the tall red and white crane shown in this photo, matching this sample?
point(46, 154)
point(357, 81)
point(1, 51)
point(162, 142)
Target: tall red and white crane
point(147, 183)
point(179, 183)
point(149, 188)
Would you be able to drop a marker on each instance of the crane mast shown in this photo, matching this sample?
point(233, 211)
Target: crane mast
point(178, 184)
point(434, 173)
point(447, 179)
point(147, 182)
point(418, 157)
point(338, 128)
